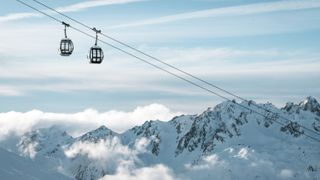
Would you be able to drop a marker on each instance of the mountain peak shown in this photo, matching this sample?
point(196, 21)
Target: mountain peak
point(100, 133)
point(309, 100)
point(310, 104)
point(102, 128)
point(46, 141)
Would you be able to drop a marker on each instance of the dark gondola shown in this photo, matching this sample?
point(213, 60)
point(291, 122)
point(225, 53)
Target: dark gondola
point(96, 53)
point(66, 45)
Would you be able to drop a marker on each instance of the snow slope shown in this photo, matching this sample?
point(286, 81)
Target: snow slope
point(224, 142)
point(15, 167)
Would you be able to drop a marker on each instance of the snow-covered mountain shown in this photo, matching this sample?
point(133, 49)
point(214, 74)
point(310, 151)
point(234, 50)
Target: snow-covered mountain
point(224, 142)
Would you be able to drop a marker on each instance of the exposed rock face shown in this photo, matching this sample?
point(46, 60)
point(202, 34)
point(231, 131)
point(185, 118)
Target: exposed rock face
point(309, 104)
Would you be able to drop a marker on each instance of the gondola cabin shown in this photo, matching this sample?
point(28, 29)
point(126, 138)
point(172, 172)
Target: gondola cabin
point(66, 47)
point(96, 55)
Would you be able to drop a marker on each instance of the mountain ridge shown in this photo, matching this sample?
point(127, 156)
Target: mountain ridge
point(186, 140)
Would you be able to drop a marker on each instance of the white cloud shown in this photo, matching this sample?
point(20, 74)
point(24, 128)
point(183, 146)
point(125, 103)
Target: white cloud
point(81, 122)
point(29, 150)
point(17, 16)
point(233, 163)
point(124, 73)
point(230, 11)
point(9, 91)
point(207, 162)
point(286, 173)
point(71, 8)
point(119, 160)
point(106, 155)
point(243, 153)
point(157, 172)
point(93, 3)
point(106, 150)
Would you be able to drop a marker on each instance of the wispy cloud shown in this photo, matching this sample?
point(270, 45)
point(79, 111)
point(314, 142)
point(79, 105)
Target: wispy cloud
point(9, 91)
point(91, 4)
point(39, 75)
point(71, 8)
point(17, 16)
point(230, 11)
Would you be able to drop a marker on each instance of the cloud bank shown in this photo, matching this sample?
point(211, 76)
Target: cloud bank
point(78, 123)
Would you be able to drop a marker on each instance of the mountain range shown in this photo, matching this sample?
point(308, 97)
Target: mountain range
point(227, 141)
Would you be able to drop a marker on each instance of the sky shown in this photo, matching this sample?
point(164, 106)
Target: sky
point(267, 51)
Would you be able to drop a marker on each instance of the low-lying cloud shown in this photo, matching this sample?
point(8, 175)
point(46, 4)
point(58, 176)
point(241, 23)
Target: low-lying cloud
point(123, 163)
point(232, 163)
point(78, 123)
point(120, 161)
point(157, 172)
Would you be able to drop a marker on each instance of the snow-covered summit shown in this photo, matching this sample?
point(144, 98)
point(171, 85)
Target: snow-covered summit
point(309, 104)
point(46, 141)
point(98, 134)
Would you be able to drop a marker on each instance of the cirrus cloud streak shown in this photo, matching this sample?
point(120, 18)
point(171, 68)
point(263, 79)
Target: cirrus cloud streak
point(248, 9)
point(70, 8)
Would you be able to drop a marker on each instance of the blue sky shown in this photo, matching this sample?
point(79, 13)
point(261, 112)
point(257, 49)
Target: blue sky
point(261, 50)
